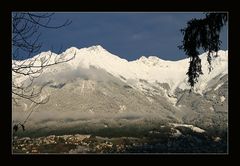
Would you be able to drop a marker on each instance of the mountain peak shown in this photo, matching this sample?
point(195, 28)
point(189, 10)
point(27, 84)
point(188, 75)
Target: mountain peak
point(71, 50)
point(150, 59)
point(96, 48)
point(154, 58)
point(142, 58)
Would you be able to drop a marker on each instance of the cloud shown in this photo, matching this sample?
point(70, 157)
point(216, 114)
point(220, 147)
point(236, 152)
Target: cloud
point(91, 73)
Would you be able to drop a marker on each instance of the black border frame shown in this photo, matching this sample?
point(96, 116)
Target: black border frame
point(116, 5)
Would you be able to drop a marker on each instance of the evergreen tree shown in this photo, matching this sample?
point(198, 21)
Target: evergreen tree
point(202, 33)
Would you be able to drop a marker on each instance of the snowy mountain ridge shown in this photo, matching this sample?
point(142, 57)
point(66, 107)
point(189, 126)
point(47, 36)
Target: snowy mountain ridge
point(151, 69)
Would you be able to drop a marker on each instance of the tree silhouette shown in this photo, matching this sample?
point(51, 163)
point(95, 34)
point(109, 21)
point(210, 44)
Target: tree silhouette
point(25, 44)
point(202, 33)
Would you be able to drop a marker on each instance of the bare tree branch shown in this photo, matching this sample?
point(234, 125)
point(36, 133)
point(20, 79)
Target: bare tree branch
point(25, 41)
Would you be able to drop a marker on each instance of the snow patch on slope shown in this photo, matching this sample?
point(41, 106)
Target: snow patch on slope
point(193, 128)
point(218, 86)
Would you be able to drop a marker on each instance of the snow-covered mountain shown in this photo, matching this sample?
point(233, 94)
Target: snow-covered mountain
point(151, 69)
point(97, 83)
